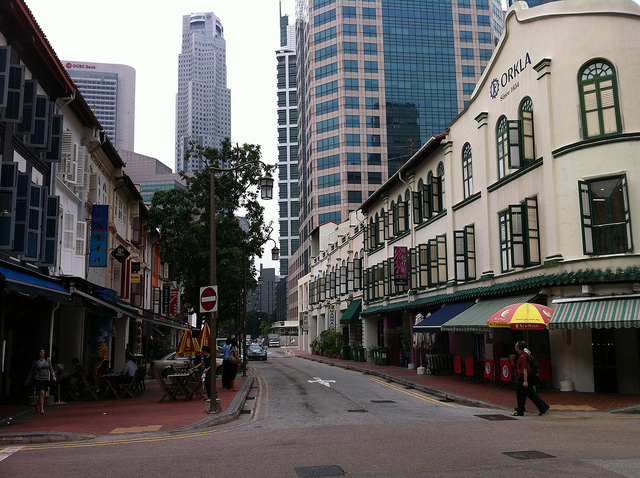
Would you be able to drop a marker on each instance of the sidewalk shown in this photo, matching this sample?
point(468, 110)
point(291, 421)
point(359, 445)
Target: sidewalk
point(83, 420)
point(485, 395)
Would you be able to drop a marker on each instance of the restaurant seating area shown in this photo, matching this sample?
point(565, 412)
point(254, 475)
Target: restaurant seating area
point(181, 385)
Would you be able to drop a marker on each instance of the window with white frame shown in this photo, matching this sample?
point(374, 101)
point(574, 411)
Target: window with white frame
point(599, 99)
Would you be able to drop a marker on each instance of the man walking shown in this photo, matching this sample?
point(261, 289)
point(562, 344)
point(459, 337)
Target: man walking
point(523, 388)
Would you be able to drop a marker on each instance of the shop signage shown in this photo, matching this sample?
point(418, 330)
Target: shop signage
point(507, 83)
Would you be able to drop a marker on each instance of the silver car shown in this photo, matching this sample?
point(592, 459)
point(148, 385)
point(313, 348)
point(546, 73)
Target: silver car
point(172, 363)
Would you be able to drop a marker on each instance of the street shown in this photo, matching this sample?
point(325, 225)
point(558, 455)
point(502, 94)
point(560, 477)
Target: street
point(309, 419)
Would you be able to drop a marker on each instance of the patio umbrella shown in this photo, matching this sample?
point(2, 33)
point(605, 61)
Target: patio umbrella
point(205, 338)
point(187, 346)
point(525, 316)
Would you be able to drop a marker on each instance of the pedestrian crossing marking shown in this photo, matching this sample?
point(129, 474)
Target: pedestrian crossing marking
point(583, 408)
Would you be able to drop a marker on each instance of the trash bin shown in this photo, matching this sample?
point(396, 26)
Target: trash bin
point(357, 353)
point(345, 352)
point(383, 356)
point(376, 355)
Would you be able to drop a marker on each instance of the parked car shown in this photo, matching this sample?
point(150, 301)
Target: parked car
point(256, 352)
point(172, 362)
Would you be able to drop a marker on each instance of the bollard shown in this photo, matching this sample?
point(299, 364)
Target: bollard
point(218, 405)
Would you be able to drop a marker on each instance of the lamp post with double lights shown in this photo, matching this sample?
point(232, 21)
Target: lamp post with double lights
point(266, 192)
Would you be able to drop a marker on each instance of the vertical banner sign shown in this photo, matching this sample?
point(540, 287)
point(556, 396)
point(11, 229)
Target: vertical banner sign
point(305, 321)
point(401, 265)
point(174, 307)
point(99, 230)
point(135, 273)
point(332, 317)
point(166, 297)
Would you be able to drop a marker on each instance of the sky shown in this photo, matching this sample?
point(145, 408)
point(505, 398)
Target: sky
point(146, 35)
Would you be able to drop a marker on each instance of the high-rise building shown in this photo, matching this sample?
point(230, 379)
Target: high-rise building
point(376, 80)
point(110, 91)
point(203, 101)
point(287, 145)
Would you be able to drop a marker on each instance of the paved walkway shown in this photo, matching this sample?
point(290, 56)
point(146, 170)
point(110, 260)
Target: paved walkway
point(83, 420)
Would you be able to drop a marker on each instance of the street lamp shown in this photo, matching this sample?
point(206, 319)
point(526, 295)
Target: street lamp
point(266, 192)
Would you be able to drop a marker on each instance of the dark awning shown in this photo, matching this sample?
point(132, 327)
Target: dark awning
point(352, 314)
point(28, 283)
point(440, 316)
point(594, 313)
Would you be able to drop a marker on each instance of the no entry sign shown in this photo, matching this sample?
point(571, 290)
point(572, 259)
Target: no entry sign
point(209, 298)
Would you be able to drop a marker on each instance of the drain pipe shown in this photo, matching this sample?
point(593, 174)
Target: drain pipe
point(51, 323)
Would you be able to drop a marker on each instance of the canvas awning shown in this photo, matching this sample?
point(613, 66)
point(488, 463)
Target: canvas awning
point(596, 313)
point(434, 322)
point(33, 284)
point(474, 319)
point(352, 314)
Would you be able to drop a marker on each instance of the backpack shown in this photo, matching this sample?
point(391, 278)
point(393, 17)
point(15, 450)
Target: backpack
point(535, 371)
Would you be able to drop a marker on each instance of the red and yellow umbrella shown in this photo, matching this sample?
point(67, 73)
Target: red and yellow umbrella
point(525, 316)
point(188, 346)
point(205, 337)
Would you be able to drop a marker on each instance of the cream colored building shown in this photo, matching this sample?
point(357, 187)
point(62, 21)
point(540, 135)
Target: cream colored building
point(531, 195)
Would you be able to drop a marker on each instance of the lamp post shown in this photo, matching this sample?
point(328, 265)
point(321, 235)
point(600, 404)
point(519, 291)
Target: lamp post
point(266, 192)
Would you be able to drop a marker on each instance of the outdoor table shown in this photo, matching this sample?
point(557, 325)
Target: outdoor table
point(111, 381)
point(183, 383)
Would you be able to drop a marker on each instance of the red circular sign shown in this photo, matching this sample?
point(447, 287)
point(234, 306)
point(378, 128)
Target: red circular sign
point(208, 299)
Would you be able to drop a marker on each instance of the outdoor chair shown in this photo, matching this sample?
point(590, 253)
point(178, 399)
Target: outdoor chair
point(167, 387)
point(130, 387)
point(90, 389)
point(139, 385)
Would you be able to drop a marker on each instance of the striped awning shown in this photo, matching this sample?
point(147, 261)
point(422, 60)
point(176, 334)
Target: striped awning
point(474, 319)
point(591, 313)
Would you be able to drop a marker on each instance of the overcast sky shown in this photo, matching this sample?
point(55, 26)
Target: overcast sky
point(146, 35)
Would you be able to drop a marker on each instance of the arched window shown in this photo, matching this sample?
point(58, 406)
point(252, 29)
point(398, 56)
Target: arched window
point(526, 131)
point(502, 138)
point(467, 171)
point(599, 100)
point(416, 205)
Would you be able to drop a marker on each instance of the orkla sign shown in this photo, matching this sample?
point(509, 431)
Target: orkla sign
point(506, 84)
point(79, 66)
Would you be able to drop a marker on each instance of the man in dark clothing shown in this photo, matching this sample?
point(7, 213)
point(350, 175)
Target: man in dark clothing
point(523, 388)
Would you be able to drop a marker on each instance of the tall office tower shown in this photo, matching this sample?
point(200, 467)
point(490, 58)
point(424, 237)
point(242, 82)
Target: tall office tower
point(376, 80)
point(203, 101)
point(287, 144)
point(110, 91)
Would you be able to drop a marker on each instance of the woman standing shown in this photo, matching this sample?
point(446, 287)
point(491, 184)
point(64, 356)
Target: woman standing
point(231, 359)
point(42, 372)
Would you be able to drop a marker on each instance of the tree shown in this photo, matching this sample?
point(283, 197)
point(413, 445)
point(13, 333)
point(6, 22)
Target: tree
point(183, 219)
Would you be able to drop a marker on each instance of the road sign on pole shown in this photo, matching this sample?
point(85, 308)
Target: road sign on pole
point(209, 298)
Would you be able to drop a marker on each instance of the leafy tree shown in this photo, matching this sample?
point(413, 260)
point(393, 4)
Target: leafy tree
point(183, 219)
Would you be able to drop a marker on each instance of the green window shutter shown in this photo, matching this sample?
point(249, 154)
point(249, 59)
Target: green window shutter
point(442, 259)
point(532, 231)
point(627, 214)
point(436, 195)
point(460, 257)
point(505, 241)
point(5, 66)
point(517, 236)
point(34, 223)
point(470, 244)
point(416, 206)
point(414, 276)
point(404, 216)
point(23, 192)
point(515, 155)
point(433, 262)
point(585, 215)
point(12, 113)
point(50, 236)
point(8, 185)
point(426, 201)
point(27, 124)
point(424, 264)
point(54, 153)
point(41, 125)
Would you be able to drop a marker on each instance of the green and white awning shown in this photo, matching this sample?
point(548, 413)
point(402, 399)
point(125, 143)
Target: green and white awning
point(593, 313)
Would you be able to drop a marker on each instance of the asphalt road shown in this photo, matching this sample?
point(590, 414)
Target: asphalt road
point(310, 419)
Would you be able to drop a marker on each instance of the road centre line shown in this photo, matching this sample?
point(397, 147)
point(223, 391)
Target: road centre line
point(412, 393)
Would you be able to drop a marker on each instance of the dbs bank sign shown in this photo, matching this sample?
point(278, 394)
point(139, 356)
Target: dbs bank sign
point(79, 66)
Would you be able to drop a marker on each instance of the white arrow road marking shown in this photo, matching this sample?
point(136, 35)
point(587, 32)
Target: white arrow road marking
point(326, 383)
point(7, 452)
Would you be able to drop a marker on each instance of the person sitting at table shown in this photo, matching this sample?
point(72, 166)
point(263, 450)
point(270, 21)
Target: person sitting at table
point(206, 368)
point(129, 369)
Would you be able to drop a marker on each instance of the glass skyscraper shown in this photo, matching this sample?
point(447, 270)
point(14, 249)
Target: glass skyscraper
point(376, 80)
point(203, 101)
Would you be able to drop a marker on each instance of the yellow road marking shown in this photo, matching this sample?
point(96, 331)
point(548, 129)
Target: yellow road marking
point(573, 407)
point(410, 392)
point(149, 428)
